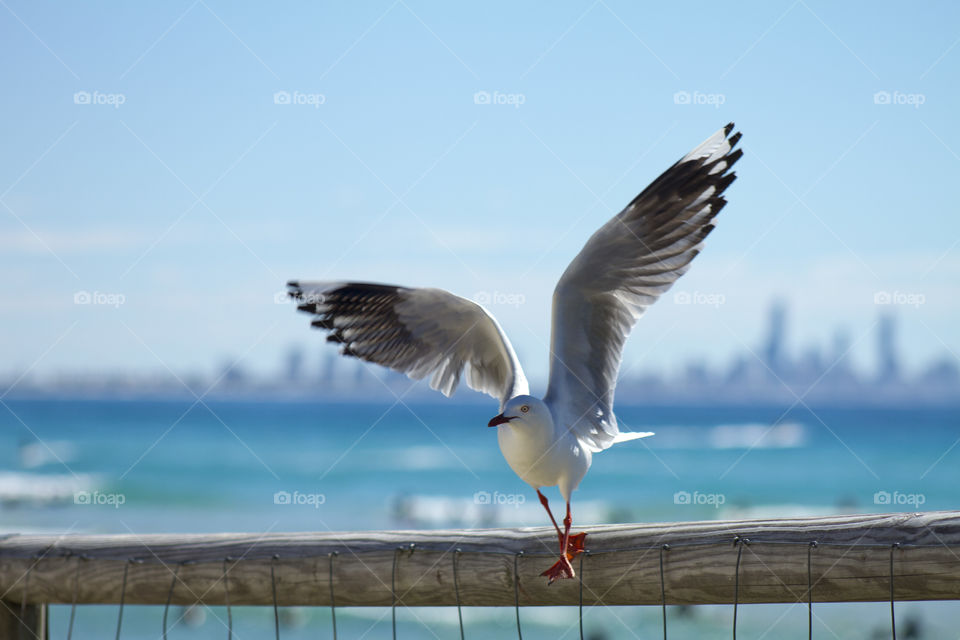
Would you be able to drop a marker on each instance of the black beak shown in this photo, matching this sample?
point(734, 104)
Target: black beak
point(497, 420)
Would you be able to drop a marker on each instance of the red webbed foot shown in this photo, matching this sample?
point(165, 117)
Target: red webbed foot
point(570, 546)
point(575, 545)
point(561, 569)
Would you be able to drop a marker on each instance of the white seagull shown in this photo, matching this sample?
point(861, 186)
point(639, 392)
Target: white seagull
point(623, 269)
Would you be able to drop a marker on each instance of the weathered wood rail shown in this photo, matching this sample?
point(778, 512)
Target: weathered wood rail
point(850, 562)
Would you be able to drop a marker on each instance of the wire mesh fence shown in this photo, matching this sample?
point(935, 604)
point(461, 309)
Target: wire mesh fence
point(798, 561)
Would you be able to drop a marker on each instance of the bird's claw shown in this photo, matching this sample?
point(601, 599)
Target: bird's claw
point(562, 568)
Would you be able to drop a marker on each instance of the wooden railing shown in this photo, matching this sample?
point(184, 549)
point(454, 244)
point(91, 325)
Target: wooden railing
point(823, 559)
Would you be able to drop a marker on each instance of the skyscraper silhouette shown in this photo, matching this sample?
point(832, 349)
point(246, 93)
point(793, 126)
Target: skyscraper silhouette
point(774, 351)
point(888, 362)
point(294, 365)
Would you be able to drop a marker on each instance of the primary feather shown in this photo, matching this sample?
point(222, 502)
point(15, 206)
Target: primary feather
point(419, 332)
point(622, 270)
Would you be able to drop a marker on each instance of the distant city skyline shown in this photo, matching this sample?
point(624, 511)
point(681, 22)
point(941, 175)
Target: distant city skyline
point(771, 368)
point(770, 372)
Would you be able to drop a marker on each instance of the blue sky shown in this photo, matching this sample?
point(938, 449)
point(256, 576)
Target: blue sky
point(146, 158)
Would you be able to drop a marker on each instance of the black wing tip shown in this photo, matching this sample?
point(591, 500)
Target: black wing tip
point(309, 307)
point(733, 156)
point(354, 316)
point(294, 290)
point(725, 182)
point(333, 290)
point(732, 140)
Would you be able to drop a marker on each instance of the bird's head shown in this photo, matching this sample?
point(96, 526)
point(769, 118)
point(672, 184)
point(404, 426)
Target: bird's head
point(520, 410)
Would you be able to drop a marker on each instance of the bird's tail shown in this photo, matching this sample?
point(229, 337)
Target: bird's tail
point(624, 436)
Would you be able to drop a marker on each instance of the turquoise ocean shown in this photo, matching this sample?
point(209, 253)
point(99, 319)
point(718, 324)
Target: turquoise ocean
point(226, 465)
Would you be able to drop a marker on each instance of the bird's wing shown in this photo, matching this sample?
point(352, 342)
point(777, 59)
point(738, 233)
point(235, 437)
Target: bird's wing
point(623, 268)
point(418, 332)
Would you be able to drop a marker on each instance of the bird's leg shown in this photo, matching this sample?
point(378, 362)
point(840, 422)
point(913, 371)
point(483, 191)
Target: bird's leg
point(575, 542)
point(546, 505)
point(569, 548)
point(574, 545)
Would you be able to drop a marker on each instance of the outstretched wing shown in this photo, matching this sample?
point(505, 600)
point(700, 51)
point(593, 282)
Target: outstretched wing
point(624, 267)
point(418, 332)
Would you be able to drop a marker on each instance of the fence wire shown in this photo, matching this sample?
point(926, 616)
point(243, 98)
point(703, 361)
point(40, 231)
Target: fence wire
point(230, 562)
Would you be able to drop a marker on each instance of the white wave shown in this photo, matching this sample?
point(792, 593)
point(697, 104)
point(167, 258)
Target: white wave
point(430, 458)
point(747, 435)
point(486, 509)
point(36, 488)
point(37, 454)
point(754, 436)
point(423, 458)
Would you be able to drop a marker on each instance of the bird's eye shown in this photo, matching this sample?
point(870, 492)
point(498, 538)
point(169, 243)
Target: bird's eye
point(524, 408)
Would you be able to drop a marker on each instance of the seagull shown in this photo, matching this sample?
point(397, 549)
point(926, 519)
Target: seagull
point(624, 268)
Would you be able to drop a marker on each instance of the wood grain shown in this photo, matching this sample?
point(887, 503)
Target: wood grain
point(851, 562)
